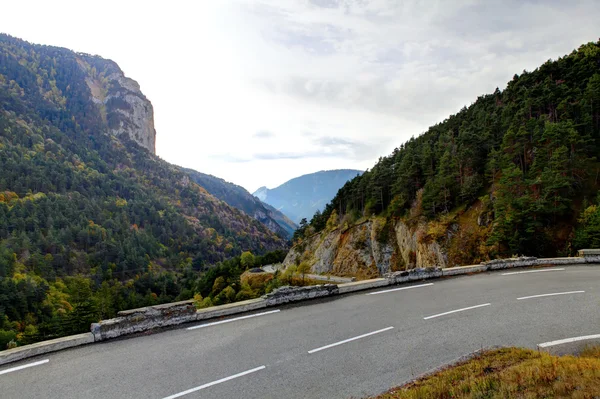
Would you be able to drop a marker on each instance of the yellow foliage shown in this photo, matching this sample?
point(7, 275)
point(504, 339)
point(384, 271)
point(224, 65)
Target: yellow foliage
point(57, 299)
point(255, 281)
point(121, 202)
point(198, 299)
point(588, 213)
point(332, 222)
point(510, 373)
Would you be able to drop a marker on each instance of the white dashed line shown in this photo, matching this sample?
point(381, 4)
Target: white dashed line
point(24, 366)
point(210, 384)
point(349, 340)
point(569, 340)
point(555, 293)
point(455, 311)
point(534, 271)
point(399, 289)
point(230, 320)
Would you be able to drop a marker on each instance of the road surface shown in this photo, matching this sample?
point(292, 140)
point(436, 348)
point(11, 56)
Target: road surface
point(349, 346)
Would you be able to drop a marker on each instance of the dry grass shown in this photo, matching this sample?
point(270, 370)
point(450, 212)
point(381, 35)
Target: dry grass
point(511, 373)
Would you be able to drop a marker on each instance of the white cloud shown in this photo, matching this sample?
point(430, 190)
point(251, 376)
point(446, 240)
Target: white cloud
point(292, 87)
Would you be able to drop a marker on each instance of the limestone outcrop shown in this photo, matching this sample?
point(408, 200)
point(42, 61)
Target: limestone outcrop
point(123, 107)
point(367, 250)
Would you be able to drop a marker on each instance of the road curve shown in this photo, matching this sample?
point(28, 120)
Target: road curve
point(349, 346)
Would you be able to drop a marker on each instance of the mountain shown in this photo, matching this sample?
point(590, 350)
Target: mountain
point(302, 196)
point(239, 198)
point(91, 221)
point(515, 173)
point(286, 223)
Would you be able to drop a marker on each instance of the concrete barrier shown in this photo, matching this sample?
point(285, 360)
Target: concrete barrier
point(293, 294)
point(41, 348)
point(561, 261)
point(362, 285)
point(584, 253)
point(459, 270)
point(414, 275)
point(499, 264)
point(510, 263)
point(230, 308)
point(590, 255)
point(144, 319)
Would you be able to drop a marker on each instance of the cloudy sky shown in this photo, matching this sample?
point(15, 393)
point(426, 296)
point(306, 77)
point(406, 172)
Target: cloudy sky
point(261, 91)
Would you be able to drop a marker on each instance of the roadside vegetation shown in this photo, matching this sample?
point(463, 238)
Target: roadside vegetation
point(510, 373)
point(35, 308)
point(239, 279)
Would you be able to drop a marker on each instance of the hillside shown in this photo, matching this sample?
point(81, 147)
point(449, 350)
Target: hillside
point(302, 196)
point(239, 198)
point(91, 222)
point(516, 172)
point(285, 222)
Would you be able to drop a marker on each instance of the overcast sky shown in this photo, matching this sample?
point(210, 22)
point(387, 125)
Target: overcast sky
point(261, 91)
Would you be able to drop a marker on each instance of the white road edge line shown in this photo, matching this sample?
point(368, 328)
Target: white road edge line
point(555, 293)
point(234, 319)
point(457, 310)
point(349, 340)
point(535, 271)
point(568, 340)
point(23, 366)
point(399, 289)
point(210, 384)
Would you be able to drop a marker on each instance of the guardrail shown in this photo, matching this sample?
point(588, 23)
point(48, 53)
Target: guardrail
point(155, 317)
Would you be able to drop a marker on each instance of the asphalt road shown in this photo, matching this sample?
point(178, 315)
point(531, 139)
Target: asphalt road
point(350, 346)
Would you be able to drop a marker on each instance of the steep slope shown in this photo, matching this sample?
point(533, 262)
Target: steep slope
point(91, 221)
point(285, 222)
point(302, 196)
point(514, 173)
point(239, 198)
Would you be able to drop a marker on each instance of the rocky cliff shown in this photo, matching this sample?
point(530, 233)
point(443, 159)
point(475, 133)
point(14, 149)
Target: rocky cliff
point(367, 250)
point(378, 245)
point(122, 105)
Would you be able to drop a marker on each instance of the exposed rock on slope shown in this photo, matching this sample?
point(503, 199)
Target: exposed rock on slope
point(123, 106)
point(368, 250)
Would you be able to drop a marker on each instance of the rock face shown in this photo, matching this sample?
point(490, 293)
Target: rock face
point(415, 253)
point(367, 250)
point(124, 108)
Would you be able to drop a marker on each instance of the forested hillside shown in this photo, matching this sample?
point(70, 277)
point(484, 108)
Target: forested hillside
point(241, 199)
point(92, 222)
point(516, 172)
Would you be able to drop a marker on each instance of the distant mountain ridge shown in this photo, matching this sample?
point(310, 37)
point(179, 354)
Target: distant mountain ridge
point(241, 199)
point(302, 196)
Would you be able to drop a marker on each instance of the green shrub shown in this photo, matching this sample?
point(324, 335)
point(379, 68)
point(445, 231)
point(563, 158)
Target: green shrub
point(6, 337)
